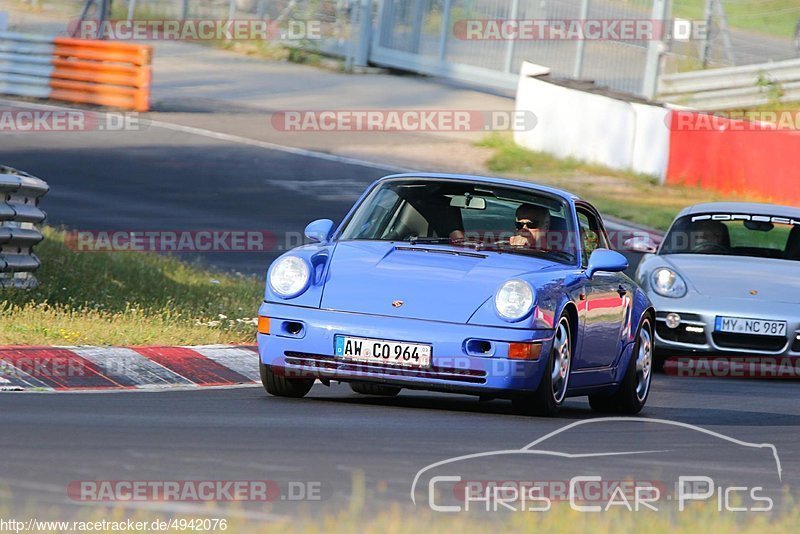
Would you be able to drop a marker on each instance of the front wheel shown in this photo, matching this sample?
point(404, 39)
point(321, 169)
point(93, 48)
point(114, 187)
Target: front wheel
point(632, 394)
point(280, 386)
point(549, 396)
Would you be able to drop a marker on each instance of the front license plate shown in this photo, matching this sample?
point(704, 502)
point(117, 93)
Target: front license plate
point(757, 327)
point(361, 349)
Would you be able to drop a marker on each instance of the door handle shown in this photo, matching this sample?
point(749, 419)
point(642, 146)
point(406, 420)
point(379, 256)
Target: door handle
point(622, 291)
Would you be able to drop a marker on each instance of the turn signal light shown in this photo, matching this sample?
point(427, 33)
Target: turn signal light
point(263, 325)
point(524, 351)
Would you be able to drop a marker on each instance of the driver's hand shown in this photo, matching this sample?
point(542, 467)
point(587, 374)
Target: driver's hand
point(518, 241)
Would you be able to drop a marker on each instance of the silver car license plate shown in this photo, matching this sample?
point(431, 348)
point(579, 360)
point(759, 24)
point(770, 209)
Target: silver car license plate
point(757, 327)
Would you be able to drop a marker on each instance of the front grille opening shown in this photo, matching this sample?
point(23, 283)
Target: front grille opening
point(748, 341)
point(796, 345)
point(681, 334)
point(330, 364)
point(684, 316)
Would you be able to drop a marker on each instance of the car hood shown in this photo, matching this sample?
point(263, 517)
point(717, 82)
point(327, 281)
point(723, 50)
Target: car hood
point(738, 277)
point(432, 282)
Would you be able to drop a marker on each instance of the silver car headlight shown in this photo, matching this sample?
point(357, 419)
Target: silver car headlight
point(667, 283)
point(514, 300)
point(289, 276)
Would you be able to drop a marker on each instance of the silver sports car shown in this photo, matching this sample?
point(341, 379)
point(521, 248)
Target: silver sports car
point(726, 278)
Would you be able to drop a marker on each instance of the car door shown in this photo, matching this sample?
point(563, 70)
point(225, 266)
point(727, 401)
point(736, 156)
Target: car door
point(607, 299)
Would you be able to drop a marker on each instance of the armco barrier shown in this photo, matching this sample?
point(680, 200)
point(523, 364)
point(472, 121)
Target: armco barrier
point(19, 214)
point(741, 87)
point(103, 73)
point(734, 157)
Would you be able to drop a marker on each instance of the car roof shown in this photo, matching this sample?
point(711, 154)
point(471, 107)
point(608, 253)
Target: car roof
point(566, 195)
point(755, 208)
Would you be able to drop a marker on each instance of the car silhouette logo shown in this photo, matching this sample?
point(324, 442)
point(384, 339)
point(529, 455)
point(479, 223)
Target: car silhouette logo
point(397, 303)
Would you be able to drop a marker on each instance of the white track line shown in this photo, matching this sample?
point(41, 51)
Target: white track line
point(210, 134)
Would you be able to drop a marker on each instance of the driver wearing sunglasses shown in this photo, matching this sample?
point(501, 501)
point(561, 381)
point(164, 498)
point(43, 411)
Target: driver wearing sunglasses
point(532, 224)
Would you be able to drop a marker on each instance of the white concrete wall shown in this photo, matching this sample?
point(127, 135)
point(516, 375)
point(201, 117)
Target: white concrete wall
point(591, 127)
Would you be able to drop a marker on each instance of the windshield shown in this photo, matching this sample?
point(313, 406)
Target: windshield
point(466, 215)
point(758, 236)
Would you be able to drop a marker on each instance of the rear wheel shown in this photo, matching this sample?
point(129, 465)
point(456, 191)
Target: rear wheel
point(375, 389)
point(632, 394)
point(280, 386)
point(549, 396)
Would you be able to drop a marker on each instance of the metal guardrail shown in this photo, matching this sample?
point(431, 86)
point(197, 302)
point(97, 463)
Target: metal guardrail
point(733, 87)
point(20, 194)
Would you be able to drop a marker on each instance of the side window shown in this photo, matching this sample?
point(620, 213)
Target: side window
point(371, 222)
point(591, 234)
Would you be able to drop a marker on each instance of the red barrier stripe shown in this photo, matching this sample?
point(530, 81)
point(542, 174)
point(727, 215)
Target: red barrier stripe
point(760, 164)
point(57, 368)
point(193, 366)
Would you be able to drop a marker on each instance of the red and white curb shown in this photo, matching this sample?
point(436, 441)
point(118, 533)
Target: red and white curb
point(24, 368)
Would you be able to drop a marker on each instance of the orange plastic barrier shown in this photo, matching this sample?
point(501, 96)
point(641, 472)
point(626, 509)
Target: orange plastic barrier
point(104, 73)
point(734, 156)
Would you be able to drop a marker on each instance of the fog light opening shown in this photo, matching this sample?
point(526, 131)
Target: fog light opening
point(479, 347)
point(293, 328)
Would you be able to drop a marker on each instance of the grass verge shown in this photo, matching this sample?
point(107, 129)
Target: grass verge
point(770, 17)
point(129, 298)
point(633, 197)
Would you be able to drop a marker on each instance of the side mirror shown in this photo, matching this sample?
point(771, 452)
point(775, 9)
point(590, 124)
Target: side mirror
point(319, 231)
point(605, 261)
point(641, 243)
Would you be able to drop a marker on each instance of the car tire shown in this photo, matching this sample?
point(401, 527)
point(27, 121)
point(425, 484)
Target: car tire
point(280, 386)
point(632, 394)
point(375, 389)
point(546, 401)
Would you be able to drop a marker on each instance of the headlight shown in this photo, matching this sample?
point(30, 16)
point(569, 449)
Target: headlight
point(668, 283)
point(514, 300)
point(289, 276)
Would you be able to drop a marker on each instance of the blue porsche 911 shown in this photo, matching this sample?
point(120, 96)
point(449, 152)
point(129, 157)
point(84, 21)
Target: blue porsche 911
point(463, 284)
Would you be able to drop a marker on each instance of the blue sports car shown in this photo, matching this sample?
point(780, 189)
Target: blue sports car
point(463, 284)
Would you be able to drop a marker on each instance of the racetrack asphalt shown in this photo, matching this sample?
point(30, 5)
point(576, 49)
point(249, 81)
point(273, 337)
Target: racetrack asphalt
point(335, 437)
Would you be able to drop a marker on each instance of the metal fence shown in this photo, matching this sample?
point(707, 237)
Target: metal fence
point(20, 194)
point(422, 35)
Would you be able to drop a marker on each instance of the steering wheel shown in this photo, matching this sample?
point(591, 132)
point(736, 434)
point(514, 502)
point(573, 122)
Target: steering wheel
point(710, 247)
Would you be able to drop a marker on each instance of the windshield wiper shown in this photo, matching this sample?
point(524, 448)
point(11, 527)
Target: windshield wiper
point(565, 256)
point(414, 239)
